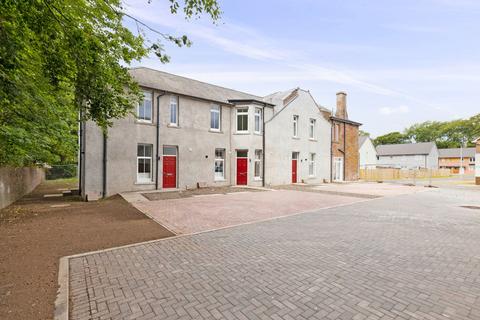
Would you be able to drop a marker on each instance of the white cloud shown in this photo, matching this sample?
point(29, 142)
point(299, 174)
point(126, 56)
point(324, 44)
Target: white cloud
point(394, 110)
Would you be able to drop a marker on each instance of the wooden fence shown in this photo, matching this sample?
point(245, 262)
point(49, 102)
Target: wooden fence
point(382, 174)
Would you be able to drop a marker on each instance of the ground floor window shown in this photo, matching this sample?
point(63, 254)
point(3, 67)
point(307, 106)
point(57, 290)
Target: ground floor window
point(219, 164)
point(258, 164)
point(144, 162)
point(311, 165)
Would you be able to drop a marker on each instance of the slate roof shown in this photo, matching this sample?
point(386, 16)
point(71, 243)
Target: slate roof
point(421, 148)
point(455, 153)
point(181, 85)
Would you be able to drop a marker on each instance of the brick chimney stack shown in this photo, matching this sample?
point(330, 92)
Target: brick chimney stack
point(341, 111)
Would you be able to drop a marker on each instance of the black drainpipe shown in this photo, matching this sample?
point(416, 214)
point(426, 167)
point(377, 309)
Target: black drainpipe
point(263, 145)
point(157, 153)
point(104, 171)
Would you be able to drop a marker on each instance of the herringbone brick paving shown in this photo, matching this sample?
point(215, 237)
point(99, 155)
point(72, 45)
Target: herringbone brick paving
point(409, 257)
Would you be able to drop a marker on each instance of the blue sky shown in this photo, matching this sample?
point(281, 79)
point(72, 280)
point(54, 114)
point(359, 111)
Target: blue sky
point(400, 61)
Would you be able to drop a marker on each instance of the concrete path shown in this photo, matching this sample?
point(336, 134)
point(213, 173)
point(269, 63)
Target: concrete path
point(412, 256)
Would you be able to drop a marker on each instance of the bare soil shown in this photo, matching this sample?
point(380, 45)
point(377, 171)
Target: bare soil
point(153, 196)
point(34, 235)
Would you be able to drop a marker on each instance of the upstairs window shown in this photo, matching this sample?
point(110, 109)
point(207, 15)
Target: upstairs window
point(174, 110)
point(242, 120)
point(144, 108)
point(295, 126)
point(313, 123)
point(258, 120)
point(215, 117)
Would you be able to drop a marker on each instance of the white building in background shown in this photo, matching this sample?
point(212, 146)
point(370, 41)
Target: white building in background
point(368, 153)
point(408, 155)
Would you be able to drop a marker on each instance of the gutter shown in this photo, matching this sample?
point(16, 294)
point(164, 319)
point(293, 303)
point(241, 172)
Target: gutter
point(157, 142)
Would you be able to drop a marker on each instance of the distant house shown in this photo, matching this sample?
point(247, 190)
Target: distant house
point(367, 152)
point(452, 159)
point(477, 162)
point(408, 156)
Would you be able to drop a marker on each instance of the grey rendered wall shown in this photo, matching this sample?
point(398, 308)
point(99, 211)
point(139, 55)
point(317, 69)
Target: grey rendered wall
point(195, 141)
point(196, 148)
point(249, 141)
point(280, 143)
point(17, 182)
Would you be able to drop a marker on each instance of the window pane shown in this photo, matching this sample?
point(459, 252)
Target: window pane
point(140, 165)
point(257, 168)
point(242, 154)
point(219, 154)
point(169, 151)
point(148, 110)
point(147, 165)
point(148, 150)
point(140, 150)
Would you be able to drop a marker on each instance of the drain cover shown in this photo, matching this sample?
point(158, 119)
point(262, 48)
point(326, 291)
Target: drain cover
point(471, 207)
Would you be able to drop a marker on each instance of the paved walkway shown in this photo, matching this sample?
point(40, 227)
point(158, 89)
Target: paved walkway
point(207, 212)
point(408, 257)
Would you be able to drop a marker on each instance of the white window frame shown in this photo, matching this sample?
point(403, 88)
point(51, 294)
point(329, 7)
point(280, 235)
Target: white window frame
point(141, 178)
point(216, 109)
point(217, 159)
point(147, 96)
point(258, 161)
point(174, 106)
point(258, 120)
point(311, 165)
point(311, 133)
point(295, 126)
point(241, 112)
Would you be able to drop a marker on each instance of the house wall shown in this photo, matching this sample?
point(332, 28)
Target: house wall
point(368, 155)
point(455, 163)
point(280, 143)
point(194, 140)
point(346, 147)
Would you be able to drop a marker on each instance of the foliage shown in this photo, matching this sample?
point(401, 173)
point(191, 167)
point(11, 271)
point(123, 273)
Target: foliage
point(391, 138)
point(363, 133)
point(448, 134)
point(58, 57)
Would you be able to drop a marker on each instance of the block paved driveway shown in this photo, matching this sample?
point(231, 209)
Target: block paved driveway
point(412, 256)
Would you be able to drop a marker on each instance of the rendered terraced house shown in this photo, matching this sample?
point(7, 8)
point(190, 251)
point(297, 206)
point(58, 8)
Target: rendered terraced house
point(188, 133)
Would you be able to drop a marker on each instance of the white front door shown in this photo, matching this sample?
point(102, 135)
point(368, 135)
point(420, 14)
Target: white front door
point(338, 169)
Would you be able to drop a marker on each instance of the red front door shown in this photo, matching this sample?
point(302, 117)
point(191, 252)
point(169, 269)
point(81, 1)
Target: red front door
point(294, 170)
point(169, 171)
point(242, 169)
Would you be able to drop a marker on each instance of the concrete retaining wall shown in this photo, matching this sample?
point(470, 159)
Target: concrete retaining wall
point(17, 182)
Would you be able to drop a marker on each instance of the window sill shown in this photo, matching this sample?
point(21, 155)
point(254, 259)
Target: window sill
point(257, 179)
point(173, 126)
point(144, 182)
point(296, 138)
point(311, 139)
point(219, 180)
point(215, 131)
point(144, 122)
point(242, 132)
point(258, 133)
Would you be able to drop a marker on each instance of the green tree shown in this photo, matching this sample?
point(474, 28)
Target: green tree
point(391, 138)
point(58, 57)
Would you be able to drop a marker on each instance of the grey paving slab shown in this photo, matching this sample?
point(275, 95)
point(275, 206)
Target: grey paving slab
point(408, 257)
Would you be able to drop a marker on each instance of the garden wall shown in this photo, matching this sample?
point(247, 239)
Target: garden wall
point(17, 182)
